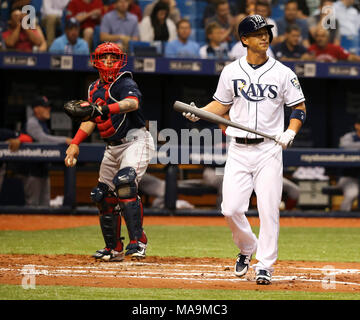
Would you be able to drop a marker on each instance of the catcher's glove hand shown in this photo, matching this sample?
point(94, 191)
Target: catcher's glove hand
point(82, 110)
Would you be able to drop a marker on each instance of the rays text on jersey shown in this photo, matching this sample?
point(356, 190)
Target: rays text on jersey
point(254, 92)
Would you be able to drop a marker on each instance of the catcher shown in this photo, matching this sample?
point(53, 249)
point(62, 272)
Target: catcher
point(114, 107)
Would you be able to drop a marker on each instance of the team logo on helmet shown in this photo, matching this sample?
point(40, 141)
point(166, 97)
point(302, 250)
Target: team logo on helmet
point(258, 21)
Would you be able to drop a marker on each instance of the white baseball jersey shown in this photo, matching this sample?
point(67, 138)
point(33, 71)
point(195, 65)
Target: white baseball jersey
point(258, 95)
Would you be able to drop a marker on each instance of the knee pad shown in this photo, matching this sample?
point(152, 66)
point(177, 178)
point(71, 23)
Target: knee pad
point(109, 215)
point(98, 193)
point(125, 183)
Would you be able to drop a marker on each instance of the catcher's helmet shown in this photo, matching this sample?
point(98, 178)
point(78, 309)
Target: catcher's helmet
point(108, 67)
point(253, 23)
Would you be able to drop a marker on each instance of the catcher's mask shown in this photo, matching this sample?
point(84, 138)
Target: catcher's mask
point(108, 59)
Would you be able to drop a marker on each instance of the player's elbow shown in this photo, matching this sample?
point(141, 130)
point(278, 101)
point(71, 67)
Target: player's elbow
point(135, 104)
point(300, 106)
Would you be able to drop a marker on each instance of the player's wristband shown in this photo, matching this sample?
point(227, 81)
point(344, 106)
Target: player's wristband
point(110, 108)
point(298, 114)
point(25, 138)
point(80, 136)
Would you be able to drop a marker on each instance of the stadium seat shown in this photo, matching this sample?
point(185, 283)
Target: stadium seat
point(5, 10)
point(143, 48)
point(277, 11)
point(143, 4)
point(200, 6)
point(63, 20)
point(186, 7)
point(96, 36)
point(350, 43)
point(200, 35)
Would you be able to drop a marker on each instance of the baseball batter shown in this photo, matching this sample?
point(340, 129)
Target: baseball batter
point(254, 90)
point(113, 107)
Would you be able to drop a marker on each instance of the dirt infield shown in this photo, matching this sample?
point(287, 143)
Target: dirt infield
point(45, 222)
point(170, 272)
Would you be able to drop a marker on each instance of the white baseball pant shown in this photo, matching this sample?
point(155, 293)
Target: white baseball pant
point(259, 168)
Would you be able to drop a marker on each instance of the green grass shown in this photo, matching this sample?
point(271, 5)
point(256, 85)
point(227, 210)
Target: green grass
point(315, 244)
point(12, 292)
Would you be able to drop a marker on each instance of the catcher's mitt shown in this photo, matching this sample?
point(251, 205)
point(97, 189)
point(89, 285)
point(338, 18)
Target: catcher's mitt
point(82, 110)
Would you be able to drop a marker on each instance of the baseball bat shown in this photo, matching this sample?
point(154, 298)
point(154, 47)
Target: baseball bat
point(211, 117)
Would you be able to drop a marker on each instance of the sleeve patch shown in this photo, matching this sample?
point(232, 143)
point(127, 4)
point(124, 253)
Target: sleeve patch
point(295, 83)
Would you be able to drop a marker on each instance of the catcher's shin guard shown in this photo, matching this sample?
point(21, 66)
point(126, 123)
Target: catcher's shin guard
point(132, 211)
point(130, 203)
point(109, 216)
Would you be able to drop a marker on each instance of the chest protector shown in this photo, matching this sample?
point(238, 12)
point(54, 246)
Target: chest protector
point(103, 94)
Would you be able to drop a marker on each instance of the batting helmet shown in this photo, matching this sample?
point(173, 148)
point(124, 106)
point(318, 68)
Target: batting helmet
point(253, 23)
point(108, 68)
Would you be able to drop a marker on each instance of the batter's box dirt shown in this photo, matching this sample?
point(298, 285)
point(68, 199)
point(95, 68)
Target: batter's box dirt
point(171, 272)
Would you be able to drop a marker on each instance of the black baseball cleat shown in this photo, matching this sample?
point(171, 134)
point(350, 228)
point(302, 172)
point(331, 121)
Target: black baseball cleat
point(242, 265)
point(109, 255)
point(136, 250)
point(263, 277)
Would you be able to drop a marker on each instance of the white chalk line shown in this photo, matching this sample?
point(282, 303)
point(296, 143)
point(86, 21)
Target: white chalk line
point(197, 276)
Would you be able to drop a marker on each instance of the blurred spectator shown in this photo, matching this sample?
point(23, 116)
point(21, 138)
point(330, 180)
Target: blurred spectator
point(303, 9)
point(321, 19)
point(69, 42)
point(51, 14)
point(18, 4)
point(263, 8)
point(215, 48)
point(290, 18)
point(88, 13)
point(14, 139)
point(291, 48)
point(210, 10)
point(313, 6)
point(3, 27)
point(174, 12)
point(348, 17)
point(224, 18)
point(324, 51)
point(135, 9)
point(245, 8)
point(349, 181)
point(36, 176)
point(182, 47)
point(154, 187)
point(119, 25)
point(23, 39)
point(157, 26)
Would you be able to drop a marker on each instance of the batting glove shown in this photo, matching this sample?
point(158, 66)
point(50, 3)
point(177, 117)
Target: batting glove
point(190, 115)
point(286, 138)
